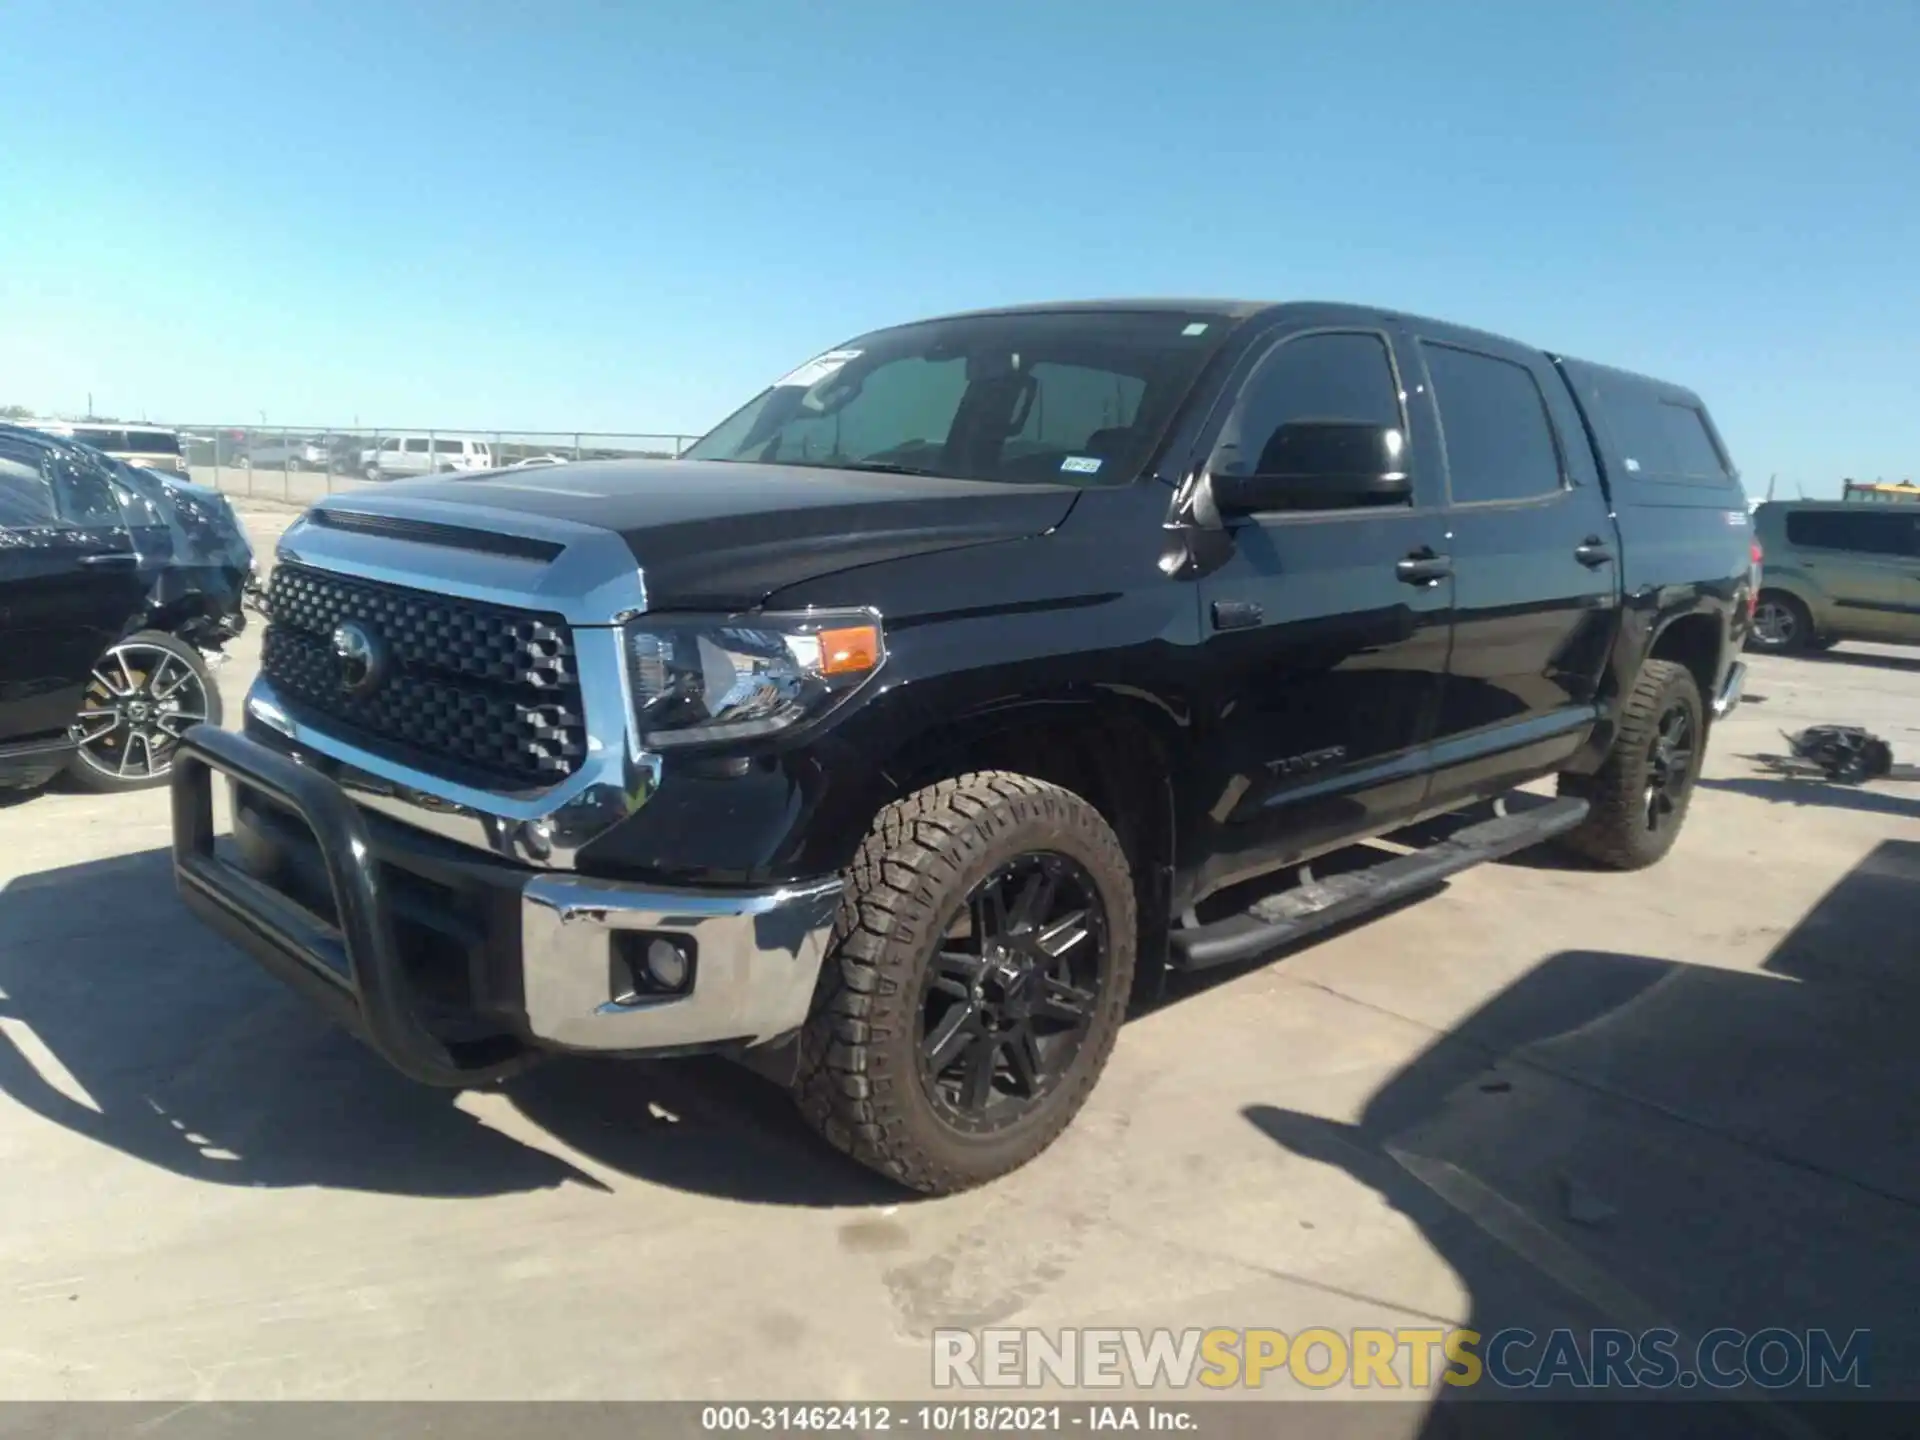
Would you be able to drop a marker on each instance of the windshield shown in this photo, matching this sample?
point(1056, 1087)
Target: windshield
point(1078, 397)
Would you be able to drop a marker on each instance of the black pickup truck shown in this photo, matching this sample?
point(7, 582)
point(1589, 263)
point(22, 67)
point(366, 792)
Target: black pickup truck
point(958, 688)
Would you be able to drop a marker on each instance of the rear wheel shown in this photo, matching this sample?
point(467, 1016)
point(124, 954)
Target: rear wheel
point(1639, 796)
point(976, 982)
point(145, 693)
point(1781, 624)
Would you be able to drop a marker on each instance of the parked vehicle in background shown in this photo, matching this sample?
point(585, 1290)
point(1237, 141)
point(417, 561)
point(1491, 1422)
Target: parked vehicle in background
point(115, 583)
point(955, 690)
point(399, 456)
point(1837, 570)
point(533, 460)
point(150, 447)
point(280, 452)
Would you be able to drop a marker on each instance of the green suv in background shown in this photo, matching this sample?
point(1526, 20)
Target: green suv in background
point(1836, 570)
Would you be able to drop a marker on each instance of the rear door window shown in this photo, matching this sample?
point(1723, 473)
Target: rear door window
point(416, 445)
point(1863, 532)
point(85, 495)
point(1493, 422)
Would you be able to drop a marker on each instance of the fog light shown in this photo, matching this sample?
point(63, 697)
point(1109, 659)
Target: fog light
point(667, 965)
point(649, 966)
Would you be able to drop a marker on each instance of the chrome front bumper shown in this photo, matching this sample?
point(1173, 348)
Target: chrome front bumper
point(1730, 688)
point(369, 922)
point(757, 956)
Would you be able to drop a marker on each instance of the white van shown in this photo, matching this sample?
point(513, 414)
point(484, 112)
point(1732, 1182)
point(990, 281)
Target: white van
point(399, 455)
point(151, 447)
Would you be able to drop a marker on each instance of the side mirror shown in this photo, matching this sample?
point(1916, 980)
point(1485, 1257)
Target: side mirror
point(1317, 465)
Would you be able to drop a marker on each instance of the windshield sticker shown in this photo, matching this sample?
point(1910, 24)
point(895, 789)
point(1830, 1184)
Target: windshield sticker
point(1633, 464)
point(1198, 327)
point(1081, 464)
point(817, 369)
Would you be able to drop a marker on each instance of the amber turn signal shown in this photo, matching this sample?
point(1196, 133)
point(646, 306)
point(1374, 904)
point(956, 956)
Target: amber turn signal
point(850, 650)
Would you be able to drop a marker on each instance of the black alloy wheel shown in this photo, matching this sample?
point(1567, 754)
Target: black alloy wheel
point(1012, 991)
point(1670, 766)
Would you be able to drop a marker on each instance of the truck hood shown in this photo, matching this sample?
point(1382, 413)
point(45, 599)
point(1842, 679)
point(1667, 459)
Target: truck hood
point(719, 535)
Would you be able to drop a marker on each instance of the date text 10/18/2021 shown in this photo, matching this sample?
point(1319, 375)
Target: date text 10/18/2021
point(962, 1419)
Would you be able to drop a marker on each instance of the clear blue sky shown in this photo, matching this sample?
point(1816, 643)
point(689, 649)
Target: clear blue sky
point(631, 217)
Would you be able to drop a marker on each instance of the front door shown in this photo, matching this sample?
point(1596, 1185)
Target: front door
point(1326, 651)
point(68, 589)
point(1535, 563)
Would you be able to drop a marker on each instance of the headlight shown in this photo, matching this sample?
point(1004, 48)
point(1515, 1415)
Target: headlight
point(698, 680)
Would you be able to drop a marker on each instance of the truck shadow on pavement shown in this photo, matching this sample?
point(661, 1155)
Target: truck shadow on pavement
point(1621, 1141)
point(124, 1020)
point(1873, 659)
point(1820, 792)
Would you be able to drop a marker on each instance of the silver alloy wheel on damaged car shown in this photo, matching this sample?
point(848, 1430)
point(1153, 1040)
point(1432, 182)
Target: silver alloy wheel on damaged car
point(144, 694)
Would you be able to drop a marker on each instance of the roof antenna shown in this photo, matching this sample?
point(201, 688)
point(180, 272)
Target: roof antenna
point(1770, 479)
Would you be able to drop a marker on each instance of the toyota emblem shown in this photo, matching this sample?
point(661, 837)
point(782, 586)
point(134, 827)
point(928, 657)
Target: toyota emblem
point(362, 658)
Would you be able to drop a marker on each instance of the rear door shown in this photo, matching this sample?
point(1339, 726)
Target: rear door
point(1535, 589)
point(68, 590)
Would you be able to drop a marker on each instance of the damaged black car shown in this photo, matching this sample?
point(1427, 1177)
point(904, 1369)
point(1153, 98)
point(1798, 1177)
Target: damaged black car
point(119, 587)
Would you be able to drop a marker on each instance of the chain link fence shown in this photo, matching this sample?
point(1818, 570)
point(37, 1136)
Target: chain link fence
point(301, 463)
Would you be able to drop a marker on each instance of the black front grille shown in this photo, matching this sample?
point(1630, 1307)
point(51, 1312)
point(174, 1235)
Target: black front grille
point(490, 689)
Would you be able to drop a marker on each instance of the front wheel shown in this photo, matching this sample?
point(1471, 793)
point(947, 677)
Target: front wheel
point(1639, 795)
point(975, 984)
point(372, 472)
point(145, 693)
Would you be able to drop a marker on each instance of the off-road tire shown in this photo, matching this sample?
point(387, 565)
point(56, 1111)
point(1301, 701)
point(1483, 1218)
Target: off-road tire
point(858, 1080)
point(1615, 833)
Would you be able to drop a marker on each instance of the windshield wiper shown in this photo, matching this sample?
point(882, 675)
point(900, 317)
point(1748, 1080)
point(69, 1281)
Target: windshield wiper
point(883, 467)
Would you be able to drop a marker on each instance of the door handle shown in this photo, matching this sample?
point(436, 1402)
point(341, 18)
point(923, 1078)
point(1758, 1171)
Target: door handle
point(1423, 567)
point(119, 557)
point(1593, 551)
